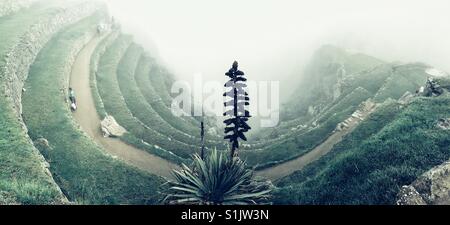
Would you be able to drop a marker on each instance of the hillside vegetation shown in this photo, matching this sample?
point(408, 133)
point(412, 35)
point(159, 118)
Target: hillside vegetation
point(392, 148)
point(24, 176)
point(334, 84)
point(81, 168)
point(46, 157)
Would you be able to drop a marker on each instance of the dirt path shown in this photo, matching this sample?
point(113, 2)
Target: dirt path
point(279, 171)
point(86, 115)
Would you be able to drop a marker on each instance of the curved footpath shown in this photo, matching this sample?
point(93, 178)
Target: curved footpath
point(89, 120)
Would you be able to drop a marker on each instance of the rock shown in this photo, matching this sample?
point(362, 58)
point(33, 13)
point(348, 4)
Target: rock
point(110, 128)
point(42, 143)
point(406, 98)
point(432, 88)
point(443, 124)
point(420, 90)
point(433, 187)
point(409, 196)
point(340, 127)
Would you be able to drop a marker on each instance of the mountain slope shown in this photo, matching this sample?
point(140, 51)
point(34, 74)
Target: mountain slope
point(392, 148)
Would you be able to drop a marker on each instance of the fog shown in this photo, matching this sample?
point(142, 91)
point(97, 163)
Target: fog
point(272, 40)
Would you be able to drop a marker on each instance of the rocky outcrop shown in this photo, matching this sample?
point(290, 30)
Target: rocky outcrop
point(406, 98)
point(433, 187)
point(8, 7)
point(443, 124)
point(432, 88)
point(110, 128)
point(409, 196)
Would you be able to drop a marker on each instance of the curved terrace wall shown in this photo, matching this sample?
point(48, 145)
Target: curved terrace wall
point(15, 67)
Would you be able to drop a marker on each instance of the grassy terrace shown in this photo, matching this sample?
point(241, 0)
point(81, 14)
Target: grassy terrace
point(390, 149)
point(95, 57)
point(161, 80)
point(339, 109)
point(140, 108)
point(371, 80)
point(404, 78)
point(23, 179)
point(128, 138)
point(185, 124)
point(116, 60)
point(151, 81)
point(300, 144)
point(10, 30)
point(143, 111)
point(158, 78)
point(145, 85)
point(81, 168)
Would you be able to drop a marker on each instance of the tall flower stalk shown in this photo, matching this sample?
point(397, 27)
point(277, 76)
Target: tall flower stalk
point(236, 101)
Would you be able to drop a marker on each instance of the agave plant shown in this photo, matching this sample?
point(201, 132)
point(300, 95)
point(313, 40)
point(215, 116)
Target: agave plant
point(217, 180)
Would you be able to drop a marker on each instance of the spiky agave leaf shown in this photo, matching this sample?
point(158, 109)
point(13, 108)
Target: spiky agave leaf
point(217, 180)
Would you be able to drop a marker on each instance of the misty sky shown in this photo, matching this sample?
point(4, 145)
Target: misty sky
point(272, 39)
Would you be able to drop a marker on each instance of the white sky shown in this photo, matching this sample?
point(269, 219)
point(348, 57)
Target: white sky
point(272, 39)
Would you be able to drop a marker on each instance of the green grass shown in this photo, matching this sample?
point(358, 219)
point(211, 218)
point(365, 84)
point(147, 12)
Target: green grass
point(23, 179)
point(318, 81)
point(301, 143)
point(85, 173)
point(320, 75)
point(404, 78)
point(158, 80)
point(379, 83)
point(371, 80)
point(128, 138)
point(12, 27)
point(142, 77)
point(95, 57)
point(143, 111)
point(369, 166)
point(117, 60)
point(140, 108)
